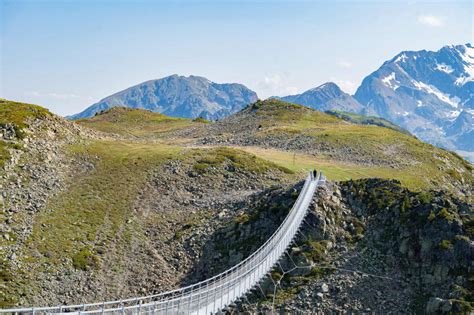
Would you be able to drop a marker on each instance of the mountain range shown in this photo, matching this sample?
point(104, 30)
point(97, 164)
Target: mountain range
point(428, 93)
point(179, 96)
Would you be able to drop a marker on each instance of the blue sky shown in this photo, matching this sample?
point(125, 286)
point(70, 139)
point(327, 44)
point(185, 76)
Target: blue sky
point(66, 55)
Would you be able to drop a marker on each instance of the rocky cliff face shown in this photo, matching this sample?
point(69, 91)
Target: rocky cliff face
point(366, 246)
point(179, 96)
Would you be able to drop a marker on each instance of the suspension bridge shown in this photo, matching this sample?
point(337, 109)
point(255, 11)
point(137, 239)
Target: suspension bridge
point(214, 294)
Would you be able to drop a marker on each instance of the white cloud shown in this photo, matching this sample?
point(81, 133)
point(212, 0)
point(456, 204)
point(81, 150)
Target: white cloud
point(63, 96)
point(344, 64)
point(431, 20)
point(276, 85)
point(33, 93)
point(58, 96)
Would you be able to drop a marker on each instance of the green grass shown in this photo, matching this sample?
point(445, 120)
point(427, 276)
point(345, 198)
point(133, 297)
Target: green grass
point(95, 211)
point(413, 177)
point(373, 151)
point(102, 197)
point(79, 225)
point(18, 113)
point(136, 122)
point(98, 202)
point(366, 120)
point(291, 115)
point(393, 154)
point(236, 158)
point(4, 154)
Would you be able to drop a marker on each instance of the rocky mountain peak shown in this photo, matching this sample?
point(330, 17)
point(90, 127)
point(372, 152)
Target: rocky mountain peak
point(325, 97)
point(329, 87)
point(423, 92)
point(179, 96)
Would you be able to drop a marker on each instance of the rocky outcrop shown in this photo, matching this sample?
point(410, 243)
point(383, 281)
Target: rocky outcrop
point(366, 246)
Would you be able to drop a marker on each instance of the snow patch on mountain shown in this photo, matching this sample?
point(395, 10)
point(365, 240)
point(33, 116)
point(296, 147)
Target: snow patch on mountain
point(444, 68)
point(433, 90)
point(391, 82)
point(467, 57)
point(453, 114)
point(402, 58)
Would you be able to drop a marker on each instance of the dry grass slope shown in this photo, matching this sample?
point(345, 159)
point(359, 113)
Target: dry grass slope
point(136, 122)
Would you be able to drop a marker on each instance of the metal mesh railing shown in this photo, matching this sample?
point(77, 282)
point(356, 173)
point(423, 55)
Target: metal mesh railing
point(213, 294)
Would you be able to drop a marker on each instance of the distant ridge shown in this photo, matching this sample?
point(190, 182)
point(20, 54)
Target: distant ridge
point(179, 96)
point(428, 93)
point(327, 96)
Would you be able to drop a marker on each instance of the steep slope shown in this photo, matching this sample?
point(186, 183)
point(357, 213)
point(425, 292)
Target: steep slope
point(327, 96)
point(368, 246)
point(425, 92)
point(179, 96)
point(80, 220)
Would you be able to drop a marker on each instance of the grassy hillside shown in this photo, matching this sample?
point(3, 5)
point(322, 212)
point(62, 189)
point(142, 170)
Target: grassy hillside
point(110, 210)
point(366, 120)
point(14, 117)
point(345, 146)
point(93, 226)
point(136, 122)
point(16, 113)
point(338, 171)
point(342, 148)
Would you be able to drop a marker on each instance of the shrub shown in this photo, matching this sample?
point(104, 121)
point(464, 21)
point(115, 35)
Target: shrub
point(201, 120)
point(200, 167)
point(431, 216)
point(446, 245)
point(444, 213)
point(455, 174)
point(426, 197)
point(85, 259)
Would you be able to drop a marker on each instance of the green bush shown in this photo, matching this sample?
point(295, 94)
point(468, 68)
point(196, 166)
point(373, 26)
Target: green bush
point(446, 245)
point(85, 259)
point(431, 216)
point(426, 197)
point(200, 167)
point(444, 213)
point(201, 120)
